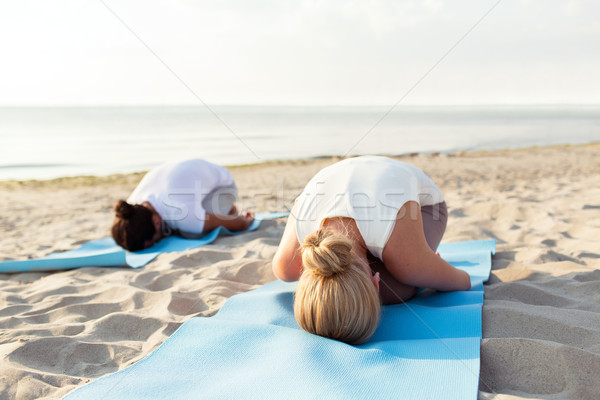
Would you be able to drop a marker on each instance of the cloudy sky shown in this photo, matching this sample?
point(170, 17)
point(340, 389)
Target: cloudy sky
point(370, 52)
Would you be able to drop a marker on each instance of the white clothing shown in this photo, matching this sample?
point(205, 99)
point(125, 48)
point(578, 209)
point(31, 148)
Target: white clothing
point(369, 189)
point(176, 190)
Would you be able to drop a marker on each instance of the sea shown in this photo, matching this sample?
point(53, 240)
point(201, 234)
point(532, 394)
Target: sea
point(50, 142)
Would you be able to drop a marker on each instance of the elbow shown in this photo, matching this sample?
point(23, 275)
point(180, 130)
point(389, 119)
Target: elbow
point(279, 269)
point(286, 278)
point(282, 271)
point(277, 273)
point(283, 276)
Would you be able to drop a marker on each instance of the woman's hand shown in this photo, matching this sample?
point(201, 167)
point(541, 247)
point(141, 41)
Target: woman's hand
point(246, 218)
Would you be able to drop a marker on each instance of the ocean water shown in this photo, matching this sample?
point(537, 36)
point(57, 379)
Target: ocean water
point(44, 143)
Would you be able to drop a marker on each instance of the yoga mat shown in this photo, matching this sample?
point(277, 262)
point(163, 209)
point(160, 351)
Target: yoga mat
point(252, 348)
point(106, 253)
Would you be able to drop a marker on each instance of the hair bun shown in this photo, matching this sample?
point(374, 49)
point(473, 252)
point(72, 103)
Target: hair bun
point(326, 253)
point(123, 209)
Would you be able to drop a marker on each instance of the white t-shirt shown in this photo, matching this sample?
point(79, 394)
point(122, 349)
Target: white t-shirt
point(176, 190)
point(371, 190)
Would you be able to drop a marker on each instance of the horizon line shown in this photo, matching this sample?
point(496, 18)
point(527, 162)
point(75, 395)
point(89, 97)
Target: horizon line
point(256, 105)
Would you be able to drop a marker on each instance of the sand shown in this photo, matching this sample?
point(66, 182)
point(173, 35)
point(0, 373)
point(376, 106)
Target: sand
point(541, 317)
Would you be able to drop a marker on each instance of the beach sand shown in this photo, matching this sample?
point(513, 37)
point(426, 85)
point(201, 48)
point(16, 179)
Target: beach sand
point(541, 317)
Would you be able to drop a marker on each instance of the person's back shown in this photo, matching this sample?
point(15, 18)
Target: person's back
point(176, 190)
point(368, 189)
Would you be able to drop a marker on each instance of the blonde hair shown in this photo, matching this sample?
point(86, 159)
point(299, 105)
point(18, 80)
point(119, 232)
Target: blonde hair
point(335, 298)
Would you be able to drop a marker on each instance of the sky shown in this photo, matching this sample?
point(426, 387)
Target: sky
point(273, 52)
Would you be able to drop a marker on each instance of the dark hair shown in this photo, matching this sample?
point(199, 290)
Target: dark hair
point(132, 226)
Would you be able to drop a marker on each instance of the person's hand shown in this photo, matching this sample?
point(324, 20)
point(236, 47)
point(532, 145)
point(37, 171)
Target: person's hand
point(246, 219)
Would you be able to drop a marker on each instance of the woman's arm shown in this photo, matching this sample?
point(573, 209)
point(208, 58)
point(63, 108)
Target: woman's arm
point(410, 260)
point(287, 263)
point(232, 222)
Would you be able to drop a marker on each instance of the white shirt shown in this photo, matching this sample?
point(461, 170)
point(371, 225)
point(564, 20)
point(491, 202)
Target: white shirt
point(176, 190)
point(371, 190)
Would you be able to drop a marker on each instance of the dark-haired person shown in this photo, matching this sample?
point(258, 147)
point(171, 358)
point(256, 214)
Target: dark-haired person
point(364, 231)
point(188, 198)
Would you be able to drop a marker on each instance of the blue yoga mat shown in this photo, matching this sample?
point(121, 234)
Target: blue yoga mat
point(427, 348)
point(106, 253)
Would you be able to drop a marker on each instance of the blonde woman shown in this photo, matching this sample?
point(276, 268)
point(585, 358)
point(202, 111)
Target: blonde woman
point(363, 232)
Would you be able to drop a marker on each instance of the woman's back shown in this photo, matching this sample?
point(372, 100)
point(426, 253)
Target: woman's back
point(368, 189)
